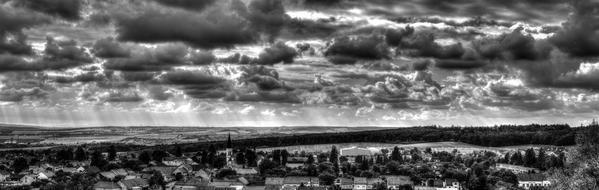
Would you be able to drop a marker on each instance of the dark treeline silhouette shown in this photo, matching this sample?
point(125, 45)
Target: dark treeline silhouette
point(504, 135)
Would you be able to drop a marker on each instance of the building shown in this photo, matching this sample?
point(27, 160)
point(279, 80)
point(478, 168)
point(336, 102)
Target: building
point(516, 169)
point(134, 184)
point(344, 183)
point(191, 184)
point(105, 185)
point(362, 183)
point(292, 182)
point(45, 175)
point(396, 182)
point(273, 183)
point(528, 181)
point(174, 161)
point(438, 184)
point(352, 153)
point(4, 175)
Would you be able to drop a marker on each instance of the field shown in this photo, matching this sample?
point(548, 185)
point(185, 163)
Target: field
point(376, 147)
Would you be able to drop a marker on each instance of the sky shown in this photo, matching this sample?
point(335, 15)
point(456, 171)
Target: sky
point(212, 63)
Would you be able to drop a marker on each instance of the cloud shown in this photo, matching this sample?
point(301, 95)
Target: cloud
point(214, 28)
point(109, 48)
point(62, 54)
point(586, 76)
point(187, 4)
point(266, 16)
point(159, 93)
point(138, 75)
point(14, 20)
point(202, 58)
point(67, 9)
point(84, 77)
point(579, 36)
point(151, 59)
point(16, 63)
point(277, 53)
point(346, 49)
point(124, 97)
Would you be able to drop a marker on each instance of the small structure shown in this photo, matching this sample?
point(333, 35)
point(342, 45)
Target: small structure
point(296, 181)
point(174, 161)
point(528, 181)
point(396, 182)
point(105, 185)
point(45, 175)
point(438, 184)
point(192, 184)
point(134, 184)
point(516, 169)
point(273, 183)
point(344, 183)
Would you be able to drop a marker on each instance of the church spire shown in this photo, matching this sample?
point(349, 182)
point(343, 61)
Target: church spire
point(229, 143)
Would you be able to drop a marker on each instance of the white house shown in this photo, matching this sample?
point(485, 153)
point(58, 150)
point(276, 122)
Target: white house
point(527, 181)
point(352, 153)
point(45, 175)
point(516, 169)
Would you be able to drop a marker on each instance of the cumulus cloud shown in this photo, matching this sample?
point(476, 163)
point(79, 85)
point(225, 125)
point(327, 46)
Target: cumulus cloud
point(277, 53)
point(67, 9)
point(61, 54)
point(14, 20)
point(586, 76)
point(160, 58)
point(187, 4)
point(202, 58)
point(109, 48)
point(214, 28)
point(267, 16)
point(579, 35)
point(346, 49)
point(159, 93)
point(138, 75)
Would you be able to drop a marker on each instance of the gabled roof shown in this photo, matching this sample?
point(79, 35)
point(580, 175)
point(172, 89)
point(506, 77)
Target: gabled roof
point(245, 171)
point(274, 181)
point(137, 182)
point(360, 180)
point(165, 170)
point(398, 180)
point(299, 180)
point(48, 174)
point(106, 185)
point(531, 177)
point(346, 181)
point(192, 182)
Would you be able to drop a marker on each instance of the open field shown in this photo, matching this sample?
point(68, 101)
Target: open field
point(39, 136)
point(376, 147)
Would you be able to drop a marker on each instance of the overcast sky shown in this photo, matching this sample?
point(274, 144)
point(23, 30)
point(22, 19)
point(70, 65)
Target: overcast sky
point(73, 63)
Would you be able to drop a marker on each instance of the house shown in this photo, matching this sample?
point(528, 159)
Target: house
point(273, 183)
point(202, 174)
point(92, 170)
point(105, 185)
point(134, 184)
point(4, 175)
point(245, 171)
point(191, 184)
point(228, 184)
point(80, 169)
point(296, 162)
point(344, 183)
point(437, 184)
point(45, 175)
point(527, 181)
point(27, 179)
point(516, 169)
point(362, 183)
point(174, 161)
point(166, 171)
point(296, 181)
point(110, 175)
point(311, 188)
point(396, 182)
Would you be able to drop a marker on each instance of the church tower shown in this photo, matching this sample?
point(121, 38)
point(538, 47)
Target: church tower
point(229, 151)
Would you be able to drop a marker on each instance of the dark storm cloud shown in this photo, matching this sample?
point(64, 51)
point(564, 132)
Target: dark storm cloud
point(124, 97)
point(277, 53)
point(187, 4)
point(12, 38)
point(138, 75)
point(212, 29)
point(109, 48)
point(513, 46)
point(161, 58)
point(579, 35)
point(84, 77)
point(305, 28)
point(16, 63)
point(159, 93)
point(347, 50)
point(67, 9)
point(191, 78)
point(64, 54)
point(202, 58)
point(267, 16)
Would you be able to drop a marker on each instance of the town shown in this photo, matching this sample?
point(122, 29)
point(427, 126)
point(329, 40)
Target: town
point(238, 167)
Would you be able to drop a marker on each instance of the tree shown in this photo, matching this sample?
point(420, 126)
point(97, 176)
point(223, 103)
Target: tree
point(98, 160)
point(266, 165)
point(111, 153)
point(158, 155)
point(225, 172)
point(145, 157)
point(178, 151)
point(327, 178)
point(240, 158)
point(542, 159)
point(529, 157)
point(396, 155)
point(157, 180)
point(250, 157)
point(310, 159)
point(20, 164)
point(322, 157)
point(334, 155)
point(516, 158)
point(506, 176)
point(284, 155)
point(80, 154)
